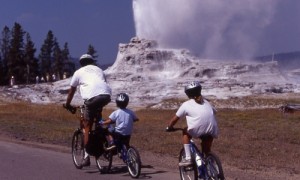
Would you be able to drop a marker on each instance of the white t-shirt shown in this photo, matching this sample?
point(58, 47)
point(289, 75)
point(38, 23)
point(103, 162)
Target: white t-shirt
point(124, 119)
point(200, 118)
point(91, 80)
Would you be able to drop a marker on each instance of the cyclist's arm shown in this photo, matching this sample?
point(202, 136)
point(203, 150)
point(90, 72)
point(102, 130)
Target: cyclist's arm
point(71, 93)
point(107, 122)
point(173, 121)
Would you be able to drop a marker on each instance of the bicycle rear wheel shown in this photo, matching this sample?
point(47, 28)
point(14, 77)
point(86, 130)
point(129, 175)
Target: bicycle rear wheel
point(187, 172)
point(214, 167)
point(77, 148)
point(104, 162)
point(133, 162)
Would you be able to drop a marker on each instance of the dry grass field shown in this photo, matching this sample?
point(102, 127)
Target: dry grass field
point(249, 139)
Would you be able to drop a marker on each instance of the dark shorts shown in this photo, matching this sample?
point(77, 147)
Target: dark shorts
point(94, 106)
point(121, 139)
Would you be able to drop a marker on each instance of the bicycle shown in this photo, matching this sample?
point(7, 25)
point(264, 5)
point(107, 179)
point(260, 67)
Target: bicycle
point(130, 157)
point(206, 167)
point(98, 149)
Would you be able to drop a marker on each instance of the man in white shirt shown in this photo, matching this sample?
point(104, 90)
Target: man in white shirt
point(94, 90)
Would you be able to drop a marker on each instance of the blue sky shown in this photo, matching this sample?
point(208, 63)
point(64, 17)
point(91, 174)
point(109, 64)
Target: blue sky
point(102, 23)
point(106, 23)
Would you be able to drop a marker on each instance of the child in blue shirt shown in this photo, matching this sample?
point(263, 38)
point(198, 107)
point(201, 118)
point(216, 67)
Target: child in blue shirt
point(123, 118)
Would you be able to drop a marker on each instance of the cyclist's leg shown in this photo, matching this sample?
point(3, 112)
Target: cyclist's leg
point(89, 115)
point(121, 141)
point(109, 138)
point(87, 128)
point(93, 109)
point(100, 101)
point(206, 143)
point(186, 137)
point(117, 139)
point(186, 145)
point(126, 140)
point(88, 124)
point(97, 103)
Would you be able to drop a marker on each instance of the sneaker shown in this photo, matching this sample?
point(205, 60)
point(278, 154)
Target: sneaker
point(185, 162)
point(111, 147)
point(86, 162)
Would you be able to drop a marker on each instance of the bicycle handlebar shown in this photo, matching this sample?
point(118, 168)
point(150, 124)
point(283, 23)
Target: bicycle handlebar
point(70, 108)
point(172, 129)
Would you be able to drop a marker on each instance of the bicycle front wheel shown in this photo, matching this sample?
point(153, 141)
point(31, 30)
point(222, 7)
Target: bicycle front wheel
point(77, 148)
point(133, 162)
point(187, 172)
point(104, 162)
point(214, 167)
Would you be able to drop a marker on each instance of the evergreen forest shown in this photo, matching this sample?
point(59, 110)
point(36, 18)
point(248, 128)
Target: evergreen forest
point(20, 60)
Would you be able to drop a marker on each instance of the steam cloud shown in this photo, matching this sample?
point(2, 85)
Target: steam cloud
point(209, 28)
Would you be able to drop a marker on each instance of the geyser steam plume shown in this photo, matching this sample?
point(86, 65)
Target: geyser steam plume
point(208, 28)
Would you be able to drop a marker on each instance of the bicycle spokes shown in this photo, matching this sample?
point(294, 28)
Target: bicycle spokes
point(212, 169)
point(133, 162)
point(131, 159)
point(77, 149)
point(104, 162)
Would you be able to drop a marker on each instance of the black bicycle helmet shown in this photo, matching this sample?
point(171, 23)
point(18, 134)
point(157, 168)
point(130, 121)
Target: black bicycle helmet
point(122, 100)
point(193, 89)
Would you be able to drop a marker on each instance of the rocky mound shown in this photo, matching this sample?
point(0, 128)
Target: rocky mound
point(151, 74)
point(155, 77)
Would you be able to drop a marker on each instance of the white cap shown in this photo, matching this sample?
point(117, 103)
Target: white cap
point(86, 56)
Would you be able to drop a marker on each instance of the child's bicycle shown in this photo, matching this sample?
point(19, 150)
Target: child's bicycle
point(98, 147)
point(130, 156)
point(207, 167)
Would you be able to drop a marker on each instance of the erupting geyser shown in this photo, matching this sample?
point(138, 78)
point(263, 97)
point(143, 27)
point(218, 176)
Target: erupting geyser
point(208, 28)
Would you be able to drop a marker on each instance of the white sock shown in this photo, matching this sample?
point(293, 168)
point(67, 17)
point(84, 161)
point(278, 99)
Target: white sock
point(86, 155)
point(187, 151)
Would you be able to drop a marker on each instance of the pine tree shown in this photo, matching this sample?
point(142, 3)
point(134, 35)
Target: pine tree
point(5, 46)
point(69, 66)
point(45, 55)
point(91, 51)
point(30, 60)
point(18, 60)
point(57, 59)
point(66, 53)
point(16, 65)
point(1, 72)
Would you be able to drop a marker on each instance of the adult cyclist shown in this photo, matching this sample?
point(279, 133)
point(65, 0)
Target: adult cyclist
point(95, 92)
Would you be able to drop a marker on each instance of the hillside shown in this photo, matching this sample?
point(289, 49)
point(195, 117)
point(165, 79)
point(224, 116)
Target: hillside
point(289, 60)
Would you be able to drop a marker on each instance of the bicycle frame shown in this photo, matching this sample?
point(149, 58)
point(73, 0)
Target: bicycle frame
point(210, 168)
point(123, 152)
point(79, 134)
point(194, 152)
point(130, 157)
